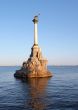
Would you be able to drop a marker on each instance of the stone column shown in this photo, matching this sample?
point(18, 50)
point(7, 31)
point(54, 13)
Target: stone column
point(35, 20)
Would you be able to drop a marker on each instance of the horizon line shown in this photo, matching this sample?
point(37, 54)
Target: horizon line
point(47, 65)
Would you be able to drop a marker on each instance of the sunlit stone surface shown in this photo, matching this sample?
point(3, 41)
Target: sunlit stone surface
point(36, 65)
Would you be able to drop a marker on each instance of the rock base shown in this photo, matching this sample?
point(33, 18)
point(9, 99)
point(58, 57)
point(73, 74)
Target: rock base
point(22, 74)
point(35, 66)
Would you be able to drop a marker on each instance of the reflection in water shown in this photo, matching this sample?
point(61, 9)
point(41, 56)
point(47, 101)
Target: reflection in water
point(37, 93)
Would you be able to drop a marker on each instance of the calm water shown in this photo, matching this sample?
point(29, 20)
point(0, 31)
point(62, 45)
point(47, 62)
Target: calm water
point(57, 93)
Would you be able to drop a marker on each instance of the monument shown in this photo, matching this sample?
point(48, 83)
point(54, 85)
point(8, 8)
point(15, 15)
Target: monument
point(36, 65)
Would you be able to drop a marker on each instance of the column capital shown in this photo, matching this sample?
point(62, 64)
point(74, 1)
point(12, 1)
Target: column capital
point(35, 20)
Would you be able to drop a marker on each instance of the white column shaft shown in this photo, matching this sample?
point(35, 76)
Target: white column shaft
point(35, 34)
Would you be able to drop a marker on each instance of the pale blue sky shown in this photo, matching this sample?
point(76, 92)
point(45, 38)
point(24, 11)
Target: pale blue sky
point(57, 30)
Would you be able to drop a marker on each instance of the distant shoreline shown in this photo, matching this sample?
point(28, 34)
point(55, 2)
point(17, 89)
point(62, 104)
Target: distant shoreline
point(47, 65)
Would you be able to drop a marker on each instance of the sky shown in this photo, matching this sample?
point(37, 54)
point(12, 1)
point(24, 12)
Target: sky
point(57, 31)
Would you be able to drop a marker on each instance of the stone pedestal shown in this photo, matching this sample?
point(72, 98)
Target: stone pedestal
point(35, 66)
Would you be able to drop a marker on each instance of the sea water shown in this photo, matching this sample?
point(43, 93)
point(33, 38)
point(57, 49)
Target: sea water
point(59, 92)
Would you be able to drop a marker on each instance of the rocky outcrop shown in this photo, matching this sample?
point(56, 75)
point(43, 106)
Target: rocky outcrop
point(35, 66)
